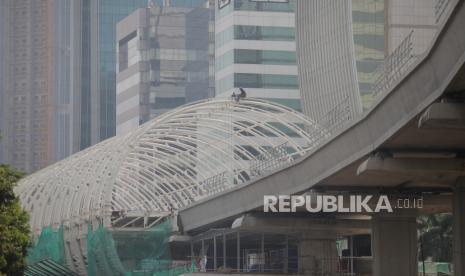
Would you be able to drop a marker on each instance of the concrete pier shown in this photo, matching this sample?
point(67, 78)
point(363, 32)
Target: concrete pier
point(459, 227)
point(394, 243)
point(318, 255)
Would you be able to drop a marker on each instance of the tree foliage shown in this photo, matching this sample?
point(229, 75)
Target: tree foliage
point(14, 225)
point(436, 236)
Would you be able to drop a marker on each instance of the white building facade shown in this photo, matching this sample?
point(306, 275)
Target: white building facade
point(255, 49)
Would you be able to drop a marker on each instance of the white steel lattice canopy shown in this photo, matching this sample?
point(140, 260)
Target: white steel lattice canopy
point(184, 155)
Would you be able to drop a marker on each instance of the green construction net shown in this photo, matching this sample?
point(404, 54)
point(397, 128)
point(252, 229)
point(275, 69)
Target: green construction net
point(50, 245)
point(133, 253)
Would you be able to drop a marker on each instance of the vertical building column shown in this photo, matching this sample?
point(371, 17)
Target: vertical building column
point(214, 253)
point(394, 244)
point(238, 252)
point(459, 227)
point(224, 250)
point(286, 256)
point(318, 254)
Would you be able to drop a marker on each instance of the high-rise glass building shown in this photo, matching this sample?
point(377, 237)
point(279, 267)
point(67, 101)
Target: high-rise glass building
point(98, 84)
point(346, 47)
point(163, 61)
point(58, 81)
point(327, 65)
point(380, 26)
point(65, 109)
point(417, 17)
point(37, 106)
point(58, 76)
point(368, 27)
point(256, 50)
point(98, 71)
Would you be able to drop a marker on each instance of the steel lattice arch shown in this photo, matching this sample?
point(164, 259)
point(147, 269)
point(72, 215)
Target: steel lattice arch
point(184, 155)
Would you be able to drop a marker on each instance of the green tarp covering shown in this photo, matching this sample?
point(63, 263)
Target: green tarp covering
point(49, 246)
point(125, 252)
point(132, 253)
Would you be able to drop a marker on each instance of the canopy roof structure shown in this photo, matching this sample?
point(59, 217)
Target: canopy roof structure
point(182, 156)
point(133, 182)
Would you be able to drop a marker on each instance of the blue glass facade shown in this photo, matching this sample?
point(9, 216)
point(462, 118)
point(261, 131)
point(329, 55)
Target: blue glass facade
point(110, 12)
point(85, 126)
point(174, 67)
point(62, 96)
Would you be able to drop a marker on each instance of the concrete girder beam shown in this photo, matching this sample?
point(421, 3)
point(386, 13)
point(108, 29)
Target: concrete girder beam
point(295, 225)
point(423, 170)
point(443, 115)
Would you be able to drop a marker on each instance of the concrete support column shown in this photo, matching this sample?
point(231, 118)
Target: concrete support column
point(394, 244)
point(318, 255)
point(459, 227)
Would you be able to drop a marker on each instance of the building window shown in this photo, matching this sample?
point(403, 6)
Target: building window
point(168, 102)
point(264, 57)
point(266, 81)
point(264, 33)
point(265, 5)
point(244, 56)
point(127, 48)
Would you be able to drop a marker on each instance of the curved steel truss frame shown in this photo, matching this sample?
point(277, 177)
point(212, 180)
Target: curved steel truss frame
point(184, 155)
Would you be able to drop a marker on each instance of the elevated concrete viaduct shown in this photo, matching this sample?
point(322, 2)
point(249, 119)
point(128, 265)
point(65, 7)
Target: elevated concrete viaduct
point(412, 140)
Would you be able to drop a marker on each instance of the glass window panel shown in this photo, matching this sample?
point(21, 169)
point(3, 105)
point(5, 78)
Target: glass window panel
point(266, 81)
point(264, 57)
point(244, 32)
point(273, 6)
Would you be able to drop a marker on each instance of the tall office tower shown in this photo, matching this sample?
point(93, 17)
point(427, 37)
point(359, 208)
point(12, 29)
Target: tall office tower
point(346, 47)
point(163, 61)
point(58, 76)
point(98, 69)
point(97, 52)
point(328, 72)
point(384, 28)
point(256, 50)
point(369, 44)
point(64, 107)
point(416, 17)
point(26, 84)
point(38, 105)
